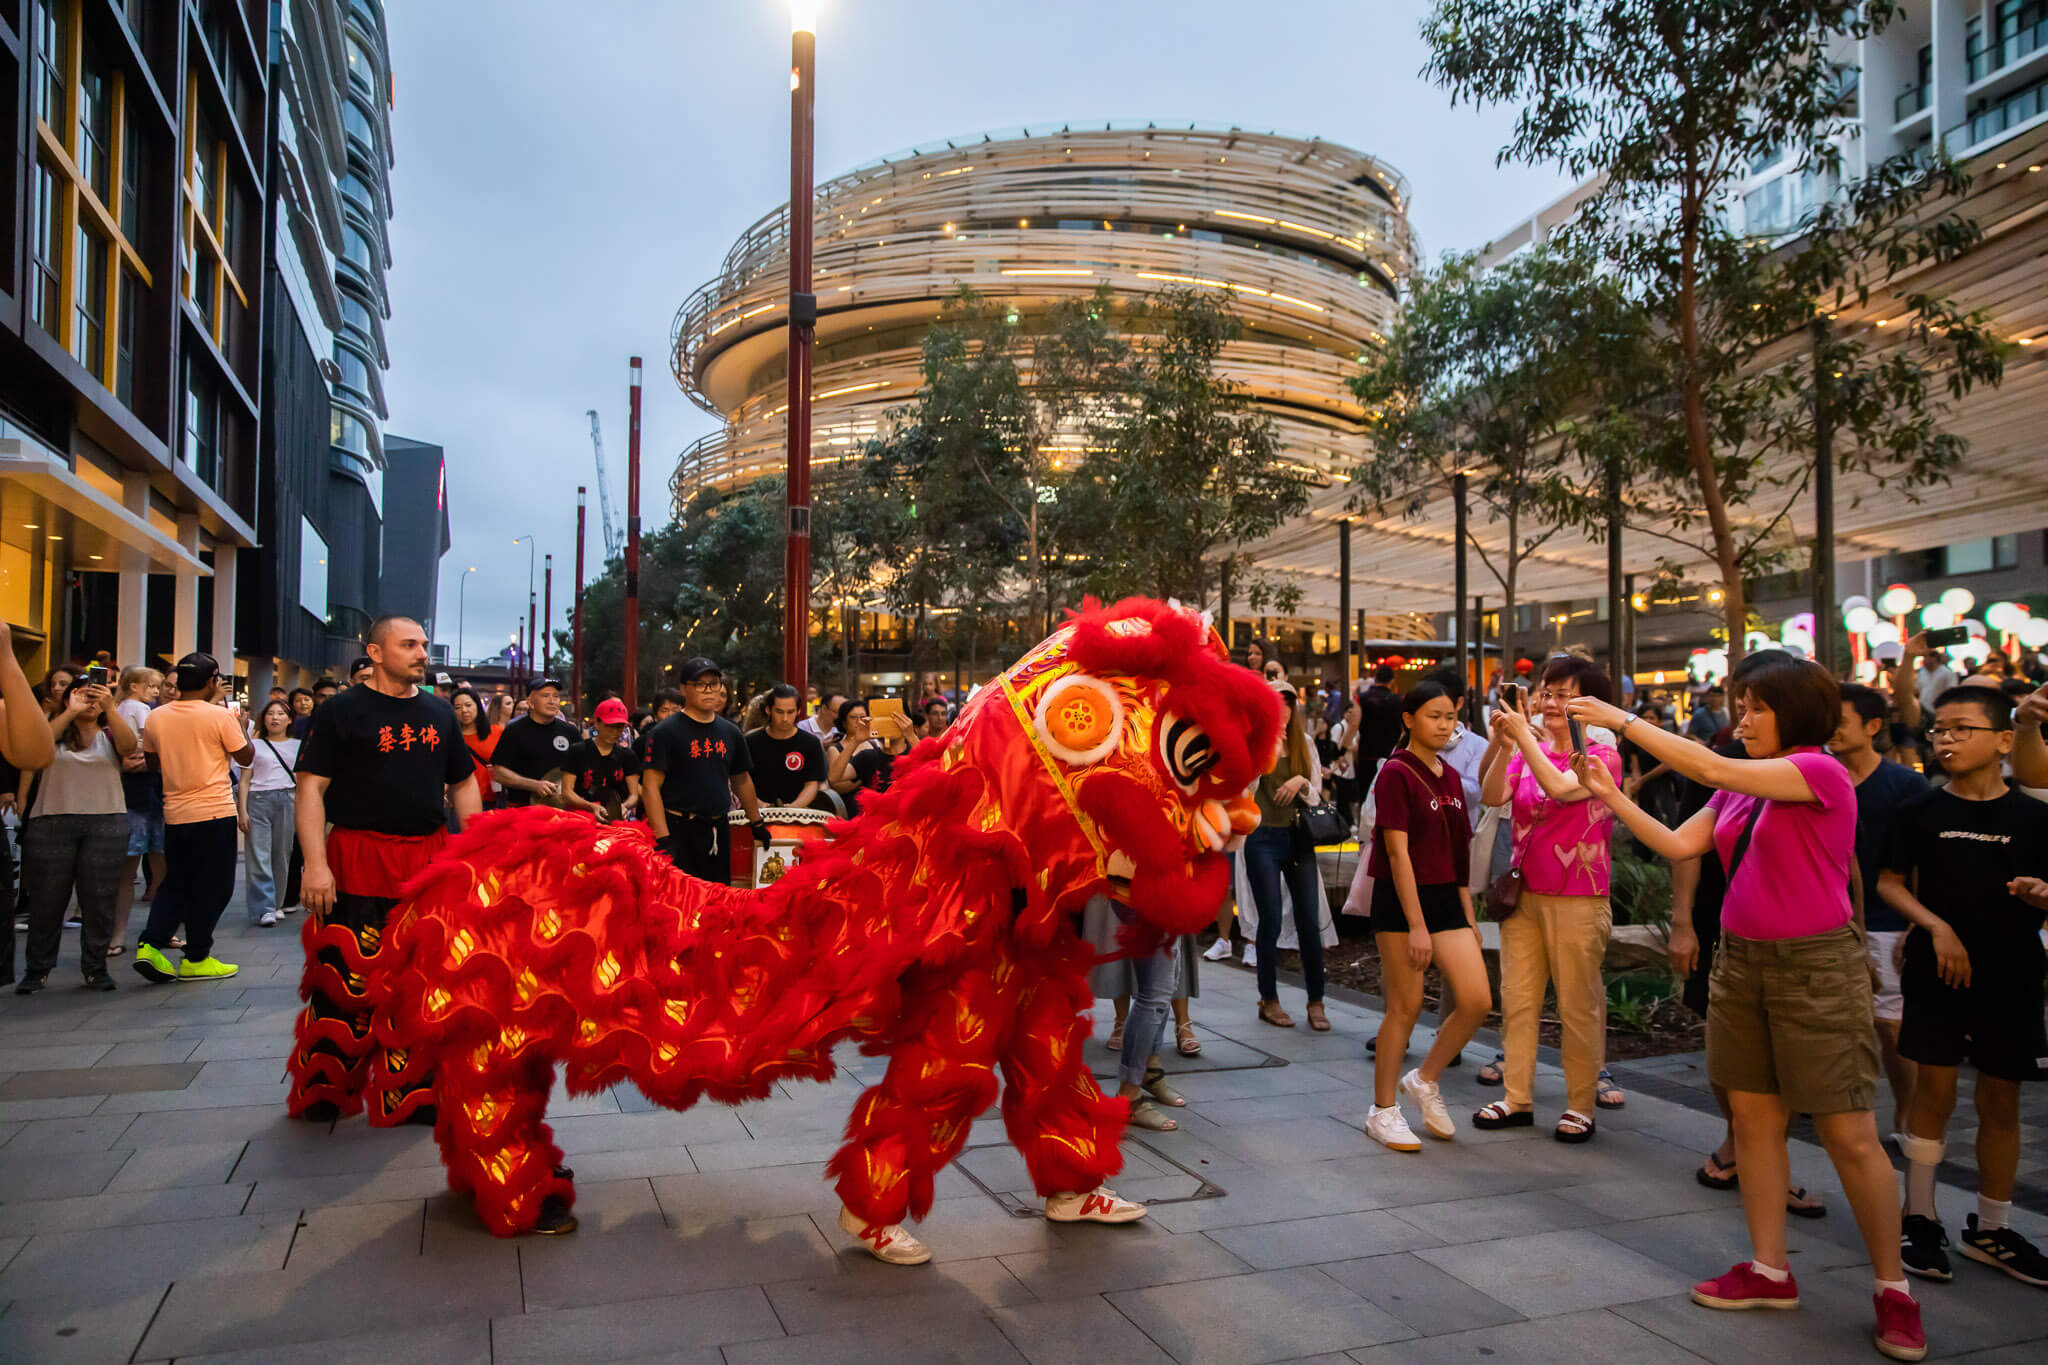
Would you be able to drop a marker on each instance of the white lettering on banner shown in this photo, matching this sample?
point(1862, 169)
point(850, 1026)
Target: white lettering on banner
point(1973, 835)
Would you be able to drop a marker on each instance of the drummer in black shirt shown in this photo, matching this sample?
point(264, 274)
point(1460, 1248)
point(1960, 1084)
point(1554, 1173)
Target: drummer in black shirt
point(533, 747)
point(601, 775)
point(788, 762)
point(697, 761)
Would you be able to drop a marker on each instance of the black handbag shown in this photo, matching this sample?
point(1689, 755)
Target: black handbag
point(1324, 824)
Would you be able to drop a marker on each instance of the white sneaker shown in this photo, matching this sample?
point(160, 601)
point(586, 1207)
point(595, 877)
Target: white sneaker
point(887, 1242)
point(1099, 1205)
point(1390, 1130)
point(1436, 1120)
point(1251, 955)
point(1219, 951)
point(269, 918)
point(288, 910)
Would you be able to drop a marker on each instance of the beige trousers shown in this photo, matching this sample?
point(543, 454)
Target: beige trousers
point(1559, 939)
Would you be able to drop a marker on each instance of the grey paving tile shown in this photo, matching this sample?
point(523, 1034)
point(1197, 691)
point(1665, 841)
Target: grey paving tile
point(1139, 1261)
point(90, 1327)
point(213, 1097)
point(154, 1053)
point(62, 1107)
point(51, 1057)
point(1292, 1141)
point(645, 1327)
point(1336, 1101)
point(293, 1150)
point(1557, 1272)
point(352, 1235)
point(1704, 1244)
point(933, 1341)
point(88, 1134)
point(1332, 1237)
point(87, 1079)
point(1630, 1198)
point(119, 1258)
point(1081, 1332)
point(57, 1175)
point(1591, 1338)
point(116, 1210)
point(157, 1168)
point(748, 1152)
point(707, 1123)
point(1378, 1180)
point(1258, 1084)
point(1267, 1316)
point(962, 1229)
point(452, 1343)
point(278, 1193)
point(1500, 1215)
point(760, 1192)
point(170, 1127)
point(637, 1163)
point(250, 1072)
point(234, 1047)
point(866, 1292)
point(569, 1272)
point(1431, 1301)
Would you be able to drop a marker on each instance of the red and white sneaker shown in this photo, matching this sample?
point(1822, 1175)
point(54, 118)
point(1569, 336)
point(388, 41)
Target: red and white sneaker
point(1099, 1205)
point(887, 1241)
point(1898, 1332)
point(1743, 1288)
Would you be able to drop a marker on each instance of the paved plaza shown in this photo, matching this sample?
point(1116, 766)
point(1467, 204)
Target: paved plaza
point(155, 1204)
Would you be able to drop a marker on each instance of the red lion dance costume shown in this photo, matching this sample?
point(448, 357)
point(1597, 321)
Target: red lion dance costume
point(938, 928)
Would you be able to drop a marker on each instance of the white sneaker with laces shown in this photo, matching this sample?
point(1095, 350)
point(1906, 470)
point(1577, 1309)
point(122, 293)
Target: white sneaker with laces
point(1099, 1205)
point(269, 918)
point(1251, 954)
point(1219, 951)
point(1390, 1130)
point(1436, 1119)
point(885, 1241)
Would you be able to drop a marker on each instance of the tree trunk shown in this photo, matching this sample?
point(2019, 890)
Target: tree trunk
point(1507, 584)
point(1699, 448)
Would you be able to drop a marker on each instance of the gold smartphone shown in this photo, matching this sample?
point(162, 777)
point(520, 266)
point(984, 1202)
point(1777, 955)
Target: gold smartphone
point(886, 719)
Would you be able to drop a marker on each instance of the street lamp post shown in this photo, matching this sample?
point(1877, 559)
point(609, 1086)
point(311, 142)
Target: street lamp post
point(461, 601)
point(803, 319)
point(576, 616)
point(526, 655)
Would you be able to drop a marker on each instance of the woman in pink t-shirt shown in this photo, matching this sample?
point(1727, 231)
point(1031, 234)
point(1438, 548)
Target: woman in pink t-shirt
point(1558, 932)
point(1789, 1008)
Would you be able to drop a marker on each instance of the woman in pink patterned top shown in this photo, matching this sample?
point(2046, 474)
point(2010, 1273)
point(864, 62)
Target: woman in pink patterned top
point(1558, 932)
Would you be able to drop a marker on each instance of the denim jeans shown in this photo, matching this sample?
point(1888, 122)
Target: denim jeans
point(271, 835)
point(1155, 977)
point(1271, 853)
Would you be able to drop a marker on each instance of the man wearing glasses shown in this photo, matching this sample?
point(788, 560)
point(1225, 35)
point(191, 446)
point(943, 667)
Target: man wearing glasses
point(697, 762)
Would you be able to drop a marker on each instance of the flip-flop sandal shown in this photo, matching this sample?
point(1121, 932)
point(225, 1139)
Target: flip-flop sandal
point(1798, 1210)
point(1607, 1088)
point(1190, 1045)
point(1573, 1127)
point(1706, 1177)
point(1156, 1086)
point(116, 949)
point(1498, 1115)
point(1490, 1074)
point(1147, 1115)
point(1115, 1041)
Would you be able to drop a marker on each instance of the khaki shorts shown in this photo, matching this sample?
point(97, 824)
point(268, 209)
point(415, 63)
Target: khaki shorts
point(1792, 1018)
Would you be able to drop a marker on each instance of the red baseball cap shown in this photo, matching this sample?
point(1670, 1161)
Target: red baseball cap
point(611, 711)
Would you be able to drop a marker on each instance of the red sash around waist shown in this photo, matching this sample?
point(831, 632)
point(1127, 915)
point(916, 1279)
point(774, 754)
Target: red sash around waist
point(366, 863)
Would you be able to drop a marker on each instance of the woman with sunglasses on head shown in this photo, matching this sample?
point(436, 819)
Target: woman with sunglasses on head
point(1790, 1004)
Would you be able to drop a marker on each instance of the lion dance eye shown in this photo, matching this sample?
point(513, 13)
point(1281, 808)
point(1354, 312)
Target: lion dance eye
point(1185, 747)
point(1080, 719)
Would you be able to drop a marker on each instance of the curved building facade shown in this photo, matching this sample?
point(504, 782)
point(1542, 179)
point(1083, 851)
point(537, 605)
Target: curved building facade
point(1309, 239)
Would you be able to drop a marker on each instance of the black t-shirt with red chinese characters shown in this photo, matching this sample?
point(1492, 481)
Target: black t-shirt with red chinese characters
point(601, 777)
point(533, 749)
point(697, 761)
point(388, 760)
point(782, 766)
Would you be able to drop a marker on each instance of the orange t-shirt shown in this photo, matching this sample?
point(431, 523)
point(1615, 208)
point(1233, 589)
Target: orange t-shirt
point(192, 741)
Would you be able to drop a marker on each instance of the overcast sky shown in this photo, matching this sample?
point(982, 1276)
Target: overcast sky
point(562, 183)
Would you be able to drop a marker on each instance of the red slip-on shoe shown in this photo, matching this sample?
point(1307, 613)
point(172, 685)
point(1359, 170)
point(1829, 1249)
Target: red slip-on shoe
point(1898, 1332)
point(1743, 1288)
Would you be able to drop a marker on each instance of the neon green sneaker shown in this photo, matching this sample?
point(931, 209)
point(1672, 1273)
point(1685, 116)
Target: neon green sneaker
point(206, 969)
point(153, 965)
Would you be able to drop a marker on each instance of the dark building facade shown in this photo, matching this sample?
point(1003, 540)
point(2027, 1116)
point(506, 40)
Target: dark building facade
point(415, 529)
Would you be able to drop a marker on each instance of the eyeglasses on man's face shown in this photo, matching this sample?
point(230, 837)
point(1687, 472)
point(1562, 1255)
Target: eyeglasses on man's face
point(707, 684)
point(1960, 731)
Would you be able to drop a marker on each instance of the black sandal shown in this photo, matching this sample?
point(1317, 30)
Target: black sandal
point(1706, 1177)
point(1498, 1115)
point(1606, 1087)
point(1490, 1074)
point(1803, 1210)
point(1573, 1127)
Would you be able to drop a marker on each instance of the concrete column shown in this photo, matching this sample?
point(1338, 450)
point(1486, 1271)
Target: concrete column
point(262, 676)
point(185, 603)
point(131, 613)
point(224, 607)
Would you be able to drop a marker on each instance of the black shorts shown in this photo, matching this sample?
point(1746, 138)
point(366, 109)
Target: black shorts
point(1994, 1023)
point(701, 846)
point(1442, 910)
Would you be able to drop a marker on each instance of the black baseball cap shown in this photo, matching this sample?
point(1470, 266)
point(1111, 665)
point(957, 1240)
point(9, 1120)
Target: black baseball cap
point(362, 661)
point(697, 666)
point(196, 671)
point(540, 683)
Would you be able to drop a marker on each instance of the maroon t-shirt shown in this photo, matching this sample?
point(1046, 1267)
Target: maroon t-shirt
point(1430, 807)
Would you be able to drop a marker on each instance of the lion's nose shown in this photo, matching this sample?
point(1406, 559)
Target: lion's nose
point(1222, 825)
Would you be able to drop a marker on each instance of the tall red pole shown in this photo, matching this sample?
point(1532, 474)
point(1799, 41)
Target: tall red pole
point(547, 616)
point(631, 689)
point(532, 632)
point(803, 318)
point(576, 613)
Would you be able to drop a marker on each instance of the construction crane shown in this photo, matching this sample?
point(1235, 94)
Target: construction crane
point(613, 547)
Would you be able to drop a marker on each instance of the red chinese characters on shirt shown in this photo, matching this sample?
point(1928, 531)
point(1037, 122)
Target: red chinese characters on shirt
point(426, 736)
point(705, 748)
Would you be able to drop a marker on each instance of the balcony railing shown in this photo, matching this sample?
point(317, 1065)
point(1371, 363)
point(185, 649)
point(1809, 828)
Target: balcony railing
point(2027, 102)
point(1910, 102)
point(2030, 35)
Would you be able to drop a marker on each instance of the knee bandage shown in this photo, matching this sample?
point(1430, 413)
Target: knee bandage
point(1921, 1151)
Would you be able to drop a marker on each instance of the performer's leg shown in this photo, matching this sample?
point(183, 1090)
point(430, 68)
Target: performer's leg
point(497, 1146)
point(1056, 1115)
point(331, 1049)
point(906, 1128)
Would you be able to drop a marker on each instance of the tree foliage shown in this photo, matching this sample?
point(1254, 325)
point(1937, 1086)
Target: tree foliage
point(1509, 376)
point(1669, 104)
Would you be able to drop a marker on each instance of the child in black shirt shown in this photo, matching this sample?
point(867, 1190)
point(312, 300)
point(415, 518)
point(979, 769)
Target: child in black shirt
point(1962, 864)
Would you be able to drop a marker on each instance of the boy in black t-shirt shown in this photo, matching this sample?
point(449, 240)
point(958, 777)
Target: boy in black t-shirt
point(697, 761)
point(1964, 864)
point(601, 775)
point(533, 747)
point(788, 762)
